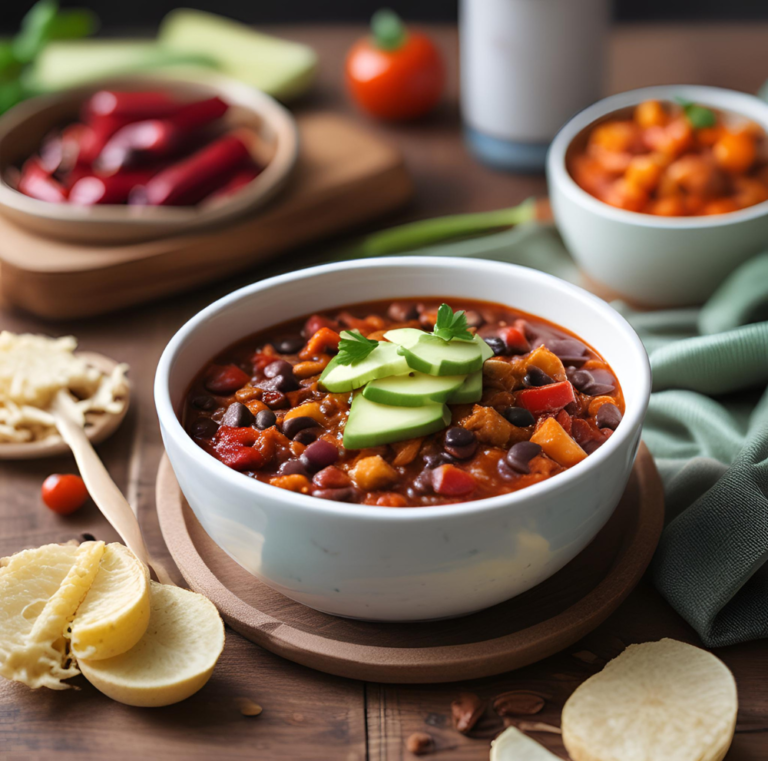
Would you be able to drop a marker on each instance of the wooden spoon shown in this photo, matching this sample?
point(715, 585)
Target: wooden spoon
point(103, 490)
point(99, 425)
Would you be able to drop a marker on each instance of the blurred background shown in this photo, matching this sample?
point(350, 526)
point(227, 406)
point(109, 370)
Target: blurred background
point(138, 13)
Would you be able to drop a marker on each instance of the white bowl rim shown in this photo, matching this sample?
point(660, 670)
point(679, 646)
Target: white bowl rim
point(633, 416)
point(267, 183)
point(740, 103)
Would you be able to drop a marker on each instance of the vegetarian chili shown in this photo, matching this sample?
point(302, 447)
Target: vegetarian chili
point(674, 160)
point(529, 401)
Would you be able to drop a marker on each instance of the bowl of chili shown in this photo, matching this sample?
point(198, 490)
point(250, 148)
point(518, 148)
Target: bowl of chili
point(493, 498)
point(660, 193)
point(142, 156)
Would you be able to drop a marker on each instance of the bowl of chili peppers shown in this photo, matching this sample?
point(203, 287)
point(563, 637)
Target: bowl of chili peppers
point(661, 193)
point(142, 157)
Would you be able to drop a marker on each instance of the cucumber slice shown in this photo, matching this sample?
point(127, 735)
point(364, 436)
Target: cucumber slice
point(404, 336)
point(433, 356)
point(485, 350)
point(382, 362)
point(413, 390)
point(470, 391)
point(371, 425)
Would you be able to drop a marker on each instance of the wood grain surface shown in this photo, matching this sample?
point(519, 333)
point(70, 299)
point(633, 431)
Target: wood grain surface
point(309, 715)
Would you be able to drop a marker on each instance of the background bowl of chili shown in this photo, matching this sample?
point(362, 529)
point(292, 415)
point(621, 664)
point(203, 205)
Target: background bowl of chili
point(652, 260)
point(410, 563)
point(273, 142)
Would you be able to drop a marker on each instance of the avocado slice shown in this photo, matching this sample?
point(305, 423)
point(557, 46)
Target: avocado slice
point(412, 390)
point(370, 424)
point(382, 362)
point(404, 336)
point(433, 356)
point(470, 391)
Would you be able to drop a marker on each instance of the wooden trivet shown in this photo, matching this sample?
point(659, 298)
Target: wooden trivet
point(532, 626)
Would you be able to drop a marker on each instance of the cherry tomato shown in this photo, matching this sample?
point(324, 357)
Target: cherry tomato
point(64, 493)
point(395, 73)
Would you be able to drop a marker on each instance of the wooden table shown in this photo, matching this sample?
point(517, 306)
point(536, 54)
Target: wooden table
point(308, 715)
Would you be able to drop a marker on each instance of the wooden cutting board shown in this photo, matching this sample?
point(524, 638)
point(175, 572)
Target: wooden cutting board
point(344, 177)
point(532, 626)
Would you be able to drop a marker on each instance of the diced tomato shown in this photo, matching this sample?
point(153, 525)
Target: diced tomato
point(551, 398)
point(564, 419)
point(316, 321)
point(321, 341)
point(450, 481)
point(514, 339)
point(243, 448)
point(582, 431)
point(226, 379)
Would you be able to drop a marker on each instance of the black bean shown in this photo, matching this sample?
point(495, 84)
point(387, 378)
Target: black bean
point(204, 428)
point(581, 379)
point(265, 419)
point(591, 382)
point(519, 416)
point(434, 460)
point(506, 472)
point(237, 416)
point(474, 319)
point(592, 446)
point(306, 436)
point(537, 377)
point(422, 484)
point(521, 454)
point(608, 416)
point(567, 349)
point(292, 468)
point(278, 367)
point(282, 382)
point(402, 311)
point(204, 402)
point(291, 344)
point(319, 455)
point(295, 424)
point(497, 345)
point(460, 443)
point(343, 494)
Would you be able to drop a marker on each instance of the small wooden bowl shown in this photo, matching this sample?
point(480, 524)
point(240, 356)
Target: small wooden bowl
point(22, 129)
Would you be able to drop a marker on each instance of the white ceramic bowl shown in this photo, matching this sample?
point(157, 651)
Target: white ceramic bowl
point(654, 261)
point(403, 564)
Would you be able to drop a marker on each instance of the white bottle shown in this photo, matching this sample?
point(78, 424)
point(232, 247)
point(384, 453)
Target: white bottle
point(527, 66)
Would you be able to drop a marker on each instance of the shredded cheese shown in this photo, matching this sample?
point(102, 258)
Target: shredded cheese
point(33, 369)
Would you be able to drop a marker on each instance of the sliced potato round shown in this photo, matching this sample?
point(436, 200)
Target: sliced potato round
point(173, 660)
point(40, 590)
point(115, 613)
point(659, 701)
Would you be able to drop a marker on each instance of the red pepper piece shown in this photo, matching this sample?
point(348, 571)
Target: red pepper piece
point(132, 106)
point(514, 339)
point(450, 481)
point(192, 179)
point(551, 398)
point(37, 183)
point(192, 116)
point(565, 421)
point(243, 448)
point(92, 190)
point(226, 379)
point(242, 178)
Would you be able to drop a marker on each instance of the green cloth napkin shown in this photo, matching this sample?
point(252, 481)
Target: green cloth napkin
point(707, 427)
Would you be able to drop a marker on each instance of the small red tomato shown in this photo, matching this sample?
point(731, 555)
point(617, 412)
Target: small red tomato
point(64, 493)
point(395, 73)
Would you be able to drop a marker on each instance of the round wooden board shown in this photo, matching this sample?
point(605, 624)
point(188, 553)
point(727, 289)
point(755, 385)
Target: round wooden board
point(532, 626)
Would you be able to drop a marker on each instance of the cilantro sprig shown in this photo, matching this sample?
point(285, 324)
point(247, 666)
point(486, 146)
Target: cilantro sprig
point(699, 117)
point(354, 348)
point(451, 324)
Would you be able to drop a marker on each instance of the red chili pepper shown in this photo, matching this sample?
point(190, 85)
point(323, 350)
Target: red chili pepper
point(242, 178)
point(192, 116)
point(92, 190)
point(551, 398)
point(450, 481)
point(192, 179)
point(132, 106)
point(37, 183)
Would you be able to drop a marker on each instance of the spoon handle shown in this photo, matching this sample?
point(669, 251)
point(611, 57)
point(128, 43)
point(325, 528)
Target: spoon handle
point(103, 490)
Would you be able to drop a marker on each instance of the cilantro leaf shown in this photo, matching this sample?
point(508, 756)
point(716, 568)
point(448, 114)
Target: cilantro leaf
point(354, 348)
point(699, 117)
point(451, 325)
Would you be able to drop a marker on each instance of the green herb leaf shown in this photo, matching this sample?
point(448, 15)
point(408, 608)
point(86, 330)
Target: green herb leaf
point(73, 24)
point(451, 325)
point(699, 117)
point(354, 348)
point(35, 30)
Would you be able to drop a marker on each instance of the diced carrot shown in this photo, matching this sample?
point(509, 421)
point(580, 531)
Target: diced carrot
point(308, 409)
point(490, 426)
point(557, 444)
point(644, 171)
point(735, 152)
point(597, 402)
point(615, 136)
point(373, 473)
point(550, 398)
point(322, 340)
point(650, 113)
point(294, 482)
point(624, 195)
